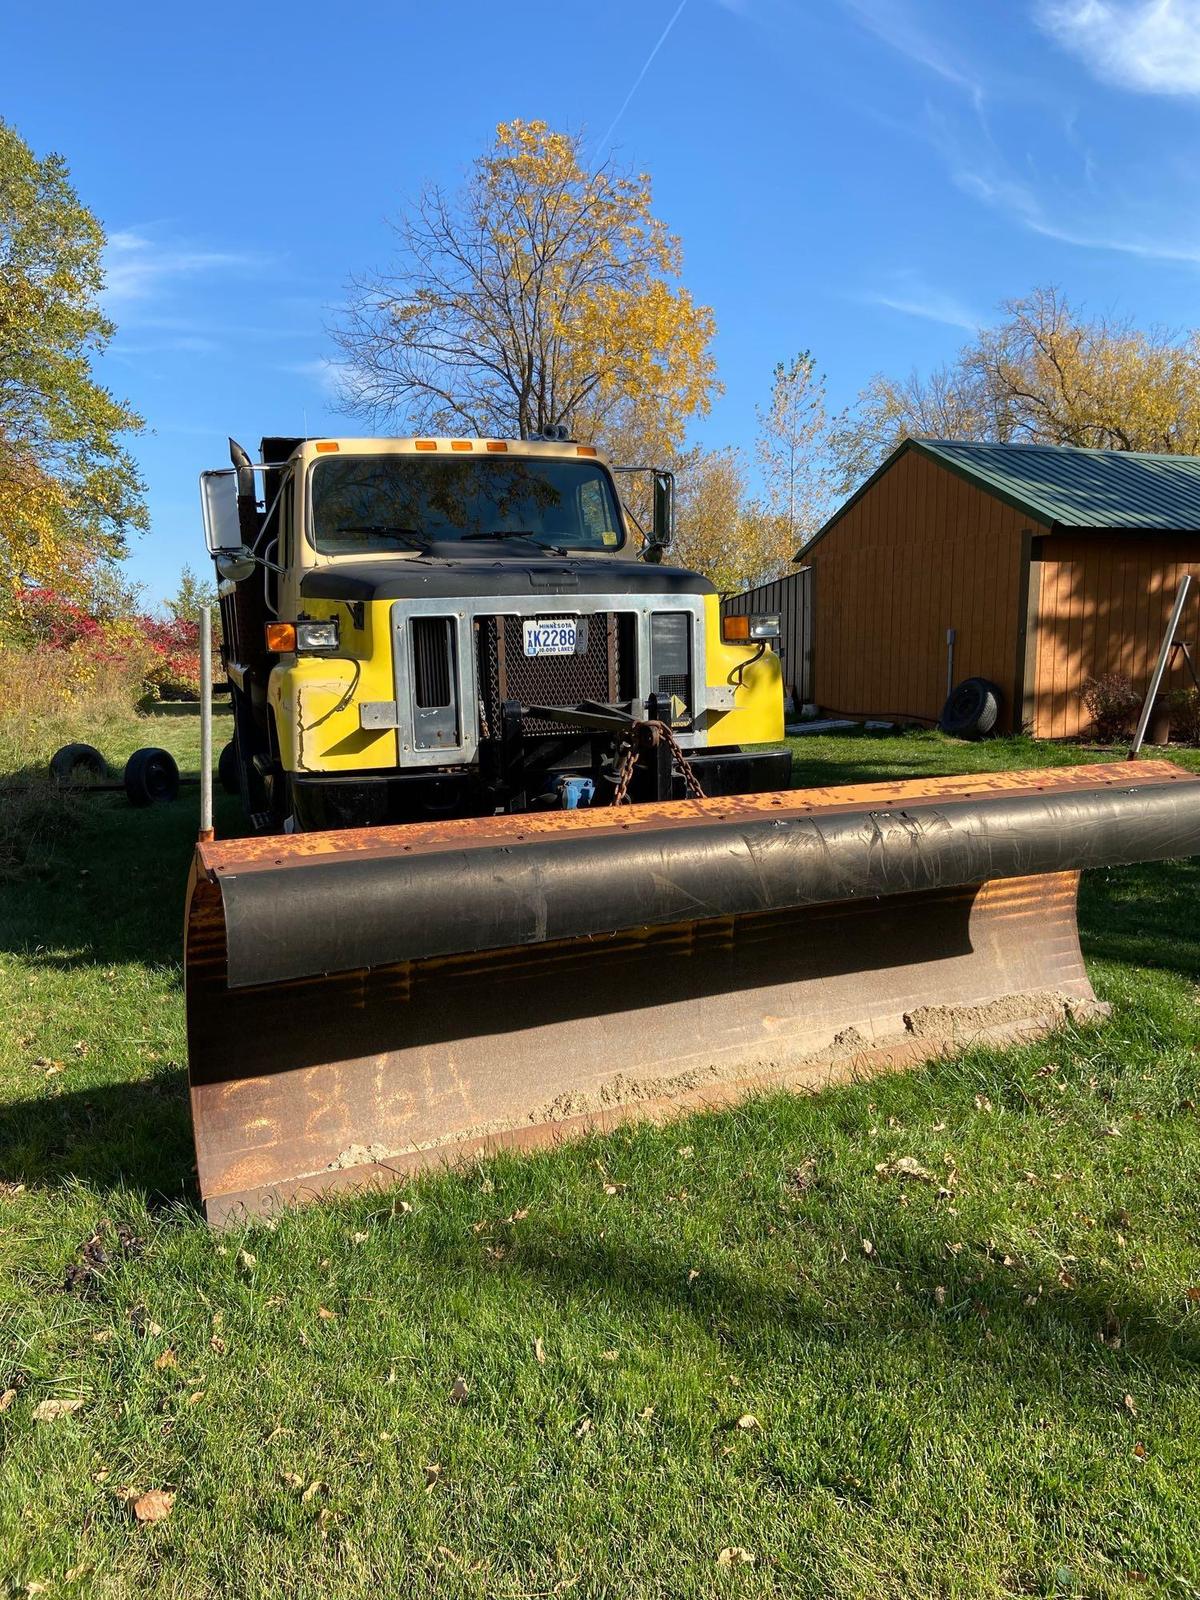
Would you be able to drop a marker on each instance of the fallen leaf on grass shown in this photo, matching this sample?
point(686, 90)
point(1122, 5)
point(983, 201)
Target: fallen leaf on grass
point(904, 1167)
point(646, 1413)
point(154, 1506)
point(359, 1238)
point(432, 1473)
point(747, 1422)
point(801, 1178)
point(868, 1249)
point(693, 1274)
point(735, 1555)
point(518, 1216)
point(51, 1410)
point(1129, 1404)
point(311, 1492)
point(292, 1479)
point(326, 1315)
point(7, 1398)
point(459, 1391)
point(246, 1261)
point(1193, 1293)
point(1139, 1450)
point(196, 1396)
point(539, 1352)
point(583, 1427)
point(217, 1344)
point(167, 1359)
point(982, 1103)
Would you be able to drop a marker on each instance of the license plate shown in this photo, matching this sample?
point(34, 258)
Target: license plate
point(551, 636)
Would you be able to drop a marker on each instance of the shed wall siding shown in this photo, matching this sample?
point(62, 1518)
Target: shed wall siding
point(1104, 603)
point(922, 551)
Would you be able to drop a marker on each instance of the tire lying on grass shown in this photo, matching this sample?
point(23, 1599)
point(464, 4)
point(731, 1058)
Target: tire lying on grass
point(151, 777)
point(227, 769)
point(972, 710)
point(75, 762)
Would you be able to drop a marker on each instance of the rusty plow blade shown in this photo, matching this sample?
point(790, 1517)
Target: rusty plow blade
point(365, 1003)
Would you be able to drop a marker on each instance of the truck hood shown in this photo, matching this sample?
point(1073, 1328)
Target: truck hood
point(433, 578)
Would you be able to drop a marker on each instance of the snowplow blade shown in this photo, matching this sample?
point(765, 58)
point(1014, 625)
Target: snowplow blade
point(364, 1003)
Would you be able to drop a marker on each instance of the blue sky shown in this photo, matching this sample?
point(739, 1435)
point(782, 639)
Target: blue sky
point(865, 178)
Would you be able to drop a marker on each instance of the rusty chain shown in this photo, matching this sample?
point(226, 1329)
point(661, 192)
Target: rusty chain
point(656, 731)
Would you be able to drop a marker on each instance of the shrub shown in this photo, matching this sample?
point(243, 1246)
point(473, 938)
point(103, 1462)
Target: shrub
point(1185, 715)
point(159, 659)
point(1114, 704)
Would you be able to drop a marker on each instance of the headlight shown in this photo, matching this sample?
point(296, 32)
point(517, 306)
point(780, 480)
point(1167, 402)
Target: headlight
point(743, 629)
point(317, 635)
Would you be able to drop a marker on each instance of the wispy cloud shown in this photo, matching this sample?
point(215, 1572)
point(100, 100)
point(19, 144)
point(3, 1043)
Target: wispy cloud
point(1020, 202)
point(893, 23)
point(1151, 46)
point(335, 379)
point(913, 297)
point(138, 266)
point(645, 68)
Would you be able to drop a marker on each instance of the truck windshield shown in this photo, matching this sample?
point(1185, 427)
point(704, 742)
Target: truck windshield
point(368, 504)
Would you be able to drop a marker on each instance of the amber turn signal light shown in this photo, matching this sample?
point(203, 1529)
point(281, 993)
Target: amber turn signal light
point(735, 630)
point(281, 637)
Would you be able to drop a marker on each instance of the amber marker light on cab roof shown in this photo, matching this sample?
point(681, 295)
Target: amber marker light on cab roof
point(497, 445)
point(460, 444)
point(281, 636)
point(585, 450)
point(424, 444)
point(323, 446)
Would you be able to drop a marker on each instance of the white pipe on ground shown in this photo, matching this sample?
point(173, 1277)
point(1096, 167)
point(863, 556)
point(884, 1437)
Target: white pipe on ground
point(206, 792)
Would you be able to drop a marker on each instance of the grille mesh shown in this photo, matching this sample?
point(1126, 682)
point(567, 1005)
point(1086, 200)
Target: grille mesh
point(507, 673)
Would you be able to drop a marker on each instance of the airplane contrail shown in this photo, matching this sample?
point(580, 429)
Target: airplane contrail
point(662, 39)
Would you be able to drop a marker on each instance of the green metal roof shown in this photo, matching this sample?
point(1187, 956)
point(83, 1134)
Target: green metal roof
point(1063, 486)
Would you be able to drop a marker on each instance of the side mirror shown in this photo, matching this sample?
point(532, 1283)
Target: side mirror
point(235, 566)
point(664, 509)
point(219, 505)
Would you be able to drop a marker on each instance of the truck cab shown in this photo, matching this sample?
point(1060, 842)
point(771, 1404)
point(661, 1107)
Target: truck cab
point(415, 628)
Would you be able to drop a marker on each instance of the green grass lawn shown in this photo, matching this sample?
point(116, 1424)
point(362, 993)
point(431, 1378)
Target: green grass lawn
point(741, 1333)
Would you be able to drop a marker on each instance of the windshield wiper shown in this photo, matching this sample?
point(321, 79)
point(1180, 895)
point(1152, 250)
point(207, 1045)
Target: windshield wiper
point(412, 536)
point(505, 533)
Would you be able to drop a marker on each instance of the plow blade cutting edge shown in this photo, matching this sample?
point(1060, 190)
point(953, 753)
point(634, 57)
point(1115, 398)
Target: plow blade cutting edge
point(364, 1003)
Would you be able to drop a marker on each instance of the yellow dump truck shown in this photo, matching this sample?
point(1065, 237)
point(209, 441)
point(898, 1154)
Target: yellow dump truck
point(512, 872)
point(428, 628)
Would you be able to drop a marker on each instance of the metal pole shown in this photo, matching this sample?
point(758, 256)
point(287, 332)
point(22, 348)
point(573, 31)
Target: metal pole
point(206, 798)
point(1164, 655)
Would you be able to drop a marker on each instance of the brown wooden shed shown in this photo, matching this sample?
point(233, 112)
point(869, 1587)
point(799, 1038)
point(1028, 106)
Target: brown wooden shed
point(1048, 564)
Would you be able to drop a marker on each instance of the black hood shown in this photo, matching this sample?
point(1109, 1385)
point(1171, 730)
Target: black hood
point(430, 577)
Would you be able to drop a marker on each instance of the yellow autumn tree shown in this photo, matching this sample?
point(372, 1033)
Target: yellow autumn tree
point(543, 293)
point(69, 490)
point(1046, 373)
